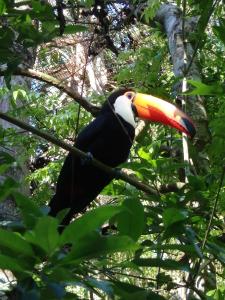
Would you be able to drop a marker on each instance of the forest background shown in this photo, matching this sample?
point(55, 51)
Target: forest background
point(58, 62)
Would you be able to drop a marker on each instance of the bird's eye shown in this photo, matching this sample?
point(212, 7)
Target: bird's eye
point(129, 95)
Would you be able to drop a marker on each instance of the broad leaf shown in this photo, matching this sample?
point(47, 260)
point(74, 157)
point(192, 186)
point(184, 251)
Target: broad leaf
point(7, 187)
point(45, 234)
point(90, 221)
point(105, 286)
point(132, 292)
point(188, 249)
point(174, 215)
point(167, 264)
point(94, 245)
point(12, 264)
point(204, 89)
point(219, 30)
point(2, 8)
point(70, 29)
point(29, 210)
point(15, 243)
point(131, 221)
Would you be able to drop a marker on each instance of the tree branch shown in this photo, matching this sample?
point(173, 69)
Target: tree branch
point(58, 84)
point(112, 171)
point(173, 187)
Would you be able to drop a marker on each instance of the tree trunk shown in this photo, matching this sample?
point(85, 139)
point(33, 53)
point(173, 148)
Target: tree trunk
point(181, 51)
point(185, 67)
point(8, 210)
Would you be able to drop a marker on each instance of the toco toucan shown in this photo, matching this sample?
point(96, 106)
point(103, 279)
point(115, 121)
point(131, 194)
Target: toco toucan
point(109, 138)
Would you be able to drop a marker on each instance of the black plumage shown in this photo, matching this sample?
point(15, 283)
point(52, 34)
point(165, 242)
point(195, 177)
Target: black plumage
point(109, 139)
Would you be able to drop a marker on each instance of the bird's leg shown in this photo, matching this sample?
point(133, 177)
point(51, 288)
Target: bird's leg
point(87, 160)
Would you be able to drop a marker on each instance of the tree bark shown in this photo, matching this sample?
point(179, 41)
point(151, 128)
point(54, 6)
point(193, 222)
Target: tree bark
point(17, 172)
point(7, 208)
point(181, 51)
point(177, 28)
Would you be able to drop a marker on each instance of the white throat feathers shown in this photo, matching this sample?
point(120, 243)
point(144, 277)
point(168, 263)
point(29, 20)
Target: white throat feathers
point(123, 108)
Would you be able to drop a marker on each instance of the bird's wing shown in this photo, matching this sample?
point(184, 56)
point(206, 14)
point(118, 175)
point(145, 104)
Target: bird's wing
point(91, 132)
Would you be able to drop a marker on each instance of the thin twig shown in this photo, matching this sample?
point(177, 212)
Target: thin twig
point(184, 98)
point(213, 210)
point(198, 263)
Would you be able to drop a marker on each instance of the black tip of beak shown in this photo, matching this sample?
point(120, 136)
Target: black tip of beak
point(190, 127)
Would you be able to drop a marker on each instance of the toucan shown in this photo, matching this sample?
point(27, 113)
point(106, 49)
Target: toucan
point(109, 138)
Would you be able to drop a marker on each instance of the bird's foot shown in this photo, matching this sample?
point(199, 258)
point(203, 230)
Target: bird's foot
point(87, 160)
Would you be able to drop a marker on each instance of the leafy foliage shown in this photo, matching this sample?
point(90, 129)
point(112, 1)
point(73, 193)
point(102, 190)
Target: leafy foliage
point(159, 239)
point(41, 258)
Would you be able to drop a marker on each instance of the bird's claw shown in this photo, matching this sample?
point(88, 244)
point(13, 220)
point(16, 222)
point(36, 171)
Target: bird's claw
point(87, 160)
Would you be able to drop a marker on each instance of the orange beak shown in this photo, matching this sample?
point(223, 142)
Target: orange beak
point(157, 110)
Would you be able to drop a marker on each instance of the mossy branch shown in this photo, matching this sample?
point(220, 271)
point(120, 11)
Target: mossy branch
point(58, 84)
point(112, 171)
point(117, 174)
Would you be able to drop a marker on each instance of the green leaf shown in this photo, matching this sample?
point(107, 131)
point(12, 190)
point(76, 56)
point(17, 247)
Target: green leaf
point(150, 11)
point(71, 29)
point(203, 89)
point(61, 214)
point(2, 7)
point(57, 289)
point(29, 210)
point(19, 93)
point(174, 215)
point(132, 292)
point(131, 221)
point(42, 10)
point(33, 294)
point(7, 188)
point(15, 243)
point(13, 264)
point(45, 234)
point(88, 3)
point(90, 221)
point(61, 274)
point(206, 8)
point(6, 158)
point(217, 294)
point(94, 245)
point(3, 169)
point(105, 286)
point(218, 250)
point(163, 278)
point(219, 30)
point(197, 183)
point(6, 38)
point(143, 154)
point(188, 249)
point(167, 264)
point(49, 27)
